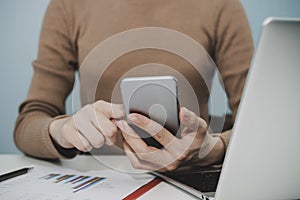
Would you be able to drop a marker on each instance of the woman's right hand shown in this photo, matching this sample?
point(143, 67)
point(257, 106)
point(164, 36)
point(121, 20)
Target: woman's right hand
point(92, 126)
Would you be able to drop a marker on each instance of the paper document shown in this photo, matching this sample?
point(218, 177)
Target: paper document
point(47, 183)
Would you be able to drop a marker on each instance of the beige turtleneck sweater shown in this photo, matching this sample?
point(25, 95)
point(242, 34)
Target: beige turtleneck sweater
point(71, 29)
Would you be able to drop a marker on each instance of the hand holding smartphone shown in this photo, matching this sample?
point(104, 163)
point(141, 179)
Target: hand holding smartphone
point(155, 97)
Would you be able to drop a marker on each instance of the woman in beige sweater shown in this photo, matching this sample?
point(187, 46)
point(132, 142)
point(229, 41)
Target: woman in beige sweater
point(71, 29)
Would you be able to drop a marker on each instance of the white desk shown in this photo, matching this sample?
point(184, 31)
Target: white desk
point(11, 162)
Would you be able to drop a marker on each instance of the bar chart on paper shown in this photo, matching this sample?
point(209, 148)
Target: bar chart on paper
point(44, 183)
point(79, 182)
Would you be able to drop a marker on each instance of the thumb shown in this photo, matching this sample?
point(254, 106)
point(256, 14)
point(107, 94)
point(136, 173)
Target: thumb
point(191, 120)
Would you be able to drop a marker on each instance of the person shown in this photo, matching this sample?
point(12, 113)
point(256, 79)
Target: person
point(71, 29)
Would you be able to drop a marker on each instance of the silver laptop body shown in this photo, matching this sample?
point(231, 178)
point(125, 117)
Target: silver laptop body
point(263, 158)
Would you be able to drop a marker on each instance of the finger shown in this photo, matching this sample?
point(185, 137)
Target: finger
point(64, 142)
point(105, 126)
point(99, 115)
point(84, 124)
point(74, 137)
point(143, 152)
point(82, 143)
point(134, 141)
point(110, 110)
point(136, 162)
point(162, 158)
point(111, 140)
point(157, 131)
point(191, 120)
point(91, 133)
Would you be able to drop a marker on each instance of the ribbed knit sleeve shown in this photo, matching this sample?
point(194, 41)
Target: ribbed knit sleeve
point(233, 52)
point(52, 81)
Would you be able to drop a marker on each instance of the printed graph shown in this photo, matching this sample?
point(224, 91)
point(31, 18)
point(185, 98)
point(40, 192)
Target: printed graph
point(79, 182)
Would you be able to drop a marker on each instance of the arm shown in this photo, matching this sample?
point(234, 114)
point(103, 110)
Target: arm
point(42, 128)
point(233, 49)
point(52, 81)
point(233, 53)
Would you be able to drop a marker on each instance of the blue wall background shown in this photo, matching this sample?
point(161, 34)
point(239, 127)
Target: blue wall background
point(20, 23)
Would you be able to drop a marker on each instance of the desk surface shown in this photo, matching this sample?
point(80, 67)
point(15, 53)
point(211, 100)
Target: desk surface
point(11, 162)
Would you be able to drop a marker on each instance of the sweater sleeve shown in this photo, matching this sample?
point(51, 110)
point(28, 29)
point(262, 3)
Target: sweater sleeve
point(52, 82)
point(233, 52)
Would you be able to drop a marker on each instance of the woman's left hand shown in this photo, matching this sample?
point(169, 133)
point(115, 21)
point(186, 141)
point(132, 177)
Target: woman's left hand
point(175, 150)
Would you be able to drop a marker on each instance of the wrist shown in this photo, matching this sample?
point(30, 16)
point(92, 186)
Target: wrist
point(55, 135)
point(216, 155)
point(207, 145)
point(55, 128)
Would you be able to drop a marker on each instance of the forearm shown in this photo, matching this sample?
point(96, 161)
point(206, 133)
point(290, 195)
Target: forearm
point(32, 137)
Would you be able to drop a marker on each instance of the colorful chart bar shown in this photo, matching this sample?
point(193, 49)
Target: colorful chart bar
point(63, 178)
point(49, 176)
point(79, 182)
point(87, 184)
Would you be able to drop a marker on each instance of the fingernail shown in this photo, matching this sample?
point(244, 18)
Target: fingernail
point(120, 125)
point(185, 114)
point(134, 118)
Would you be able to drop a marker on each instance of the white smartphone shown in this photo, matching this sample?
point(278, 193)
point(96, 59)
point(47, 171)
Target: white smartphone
point(155, 97)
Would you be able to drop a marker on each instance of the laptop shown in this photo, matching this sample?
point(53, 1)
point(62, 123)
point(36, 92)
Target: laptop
point(263, 157)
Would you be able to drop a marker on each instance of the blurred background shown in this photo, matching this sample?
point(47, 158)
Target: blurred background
point(20, 23)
